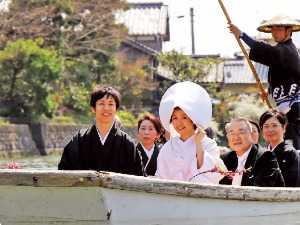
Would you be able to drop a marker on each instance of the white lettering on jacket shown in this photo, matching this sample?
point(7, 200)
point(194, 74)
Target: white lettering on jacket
point(293, 89)
point(278, 92)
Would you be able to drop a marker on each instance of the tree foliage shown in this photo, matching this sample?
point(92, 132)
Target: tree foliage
point(76, 27)
point(82, 32)
point(85, 38)
point(27, 70)
point(133, 80)
point(184, 67)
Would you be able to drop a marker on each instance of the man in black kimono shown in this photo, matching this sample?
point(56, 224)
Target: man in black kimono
point(103, 146)
point(252, 165)
point(284, 68)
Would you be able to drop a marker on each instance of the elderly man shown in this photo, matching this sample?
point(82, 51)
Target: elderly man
point(284, 68)
point(252, 166)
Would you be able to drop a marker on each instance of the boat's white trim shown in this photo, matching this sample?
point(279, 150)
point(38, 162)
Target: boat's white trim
point(50, 178)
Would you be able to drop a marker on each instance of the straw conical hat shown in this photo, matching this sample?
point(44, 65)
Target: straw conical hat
point(191, 98)
point(279, 20)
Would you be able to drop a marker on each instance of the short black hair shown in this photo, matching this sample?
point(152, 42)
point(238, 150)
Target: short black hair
point(210, 132)
point(99, 92)
point(272, 113)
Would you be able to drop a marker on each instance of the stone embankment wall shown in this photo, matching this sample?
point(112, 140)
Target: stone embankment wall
point(38, 139)
point(16, 139)
point(51, 138)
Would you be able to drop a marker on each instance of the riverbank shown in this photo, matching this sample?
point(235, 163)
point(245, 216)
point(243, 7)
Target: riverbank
point(22, 140)
point(17, 140)
point(33, 162)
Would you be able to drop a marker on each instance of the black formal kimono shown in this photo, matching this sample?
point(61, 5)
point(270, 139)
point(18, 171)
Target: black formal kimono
point(289, 162)
point(284, 67)
point(261, 167)
point(284, 80)
point(150, 167)
point(86, 152)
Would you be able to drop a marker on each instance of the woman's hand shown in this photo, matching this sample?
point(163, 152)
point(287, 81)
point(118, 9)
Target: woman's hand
point(199, 135)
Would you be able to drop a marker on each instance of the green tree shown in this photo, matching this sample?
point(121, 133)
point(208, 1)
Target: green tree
point(184, 67)
point(249, 107)
point(27, 70)
point(133, 80)
point(75, 27)
point(83, 32)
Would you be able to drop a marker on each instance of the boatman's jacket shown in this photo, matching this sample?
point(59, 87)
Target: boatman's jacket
point(284, 69)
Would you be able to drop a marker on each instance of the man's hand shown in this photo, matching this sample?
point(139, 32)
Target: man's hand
point(264, 95)
point(235, 30)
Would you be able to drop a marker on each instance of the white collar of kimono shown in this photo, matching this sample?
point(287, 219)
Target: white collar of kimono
point(187, 141)
point(103, 139)
point(178, 144)
point(148, 152)
point(243, 158)
point(270, 147)
point(191, 98)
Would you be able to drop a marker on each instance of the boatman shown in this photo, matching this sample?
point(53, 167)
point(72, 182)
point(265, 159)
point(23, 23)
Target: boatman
point(284, 68)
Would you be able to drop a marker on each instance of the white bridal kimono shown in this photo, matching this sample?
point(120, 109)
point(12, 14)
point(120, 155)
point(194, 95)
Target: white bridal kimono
point(177, 161)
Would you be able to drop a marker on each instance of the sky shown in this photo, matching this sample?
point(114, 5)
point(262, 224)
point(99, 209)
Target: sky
point(211, 32)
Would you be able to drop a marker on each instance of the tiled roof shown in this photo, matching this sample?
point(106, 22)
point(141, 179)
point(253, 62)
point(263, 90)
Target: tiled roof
point(148, 18)
point(4, 5)
point(215, 74)
point(231, 71)
point(140, 46)
point(237, 71)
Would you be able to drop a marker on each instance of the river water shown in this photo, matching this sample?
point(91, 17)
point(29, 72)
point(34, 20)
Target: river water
point(33, 162)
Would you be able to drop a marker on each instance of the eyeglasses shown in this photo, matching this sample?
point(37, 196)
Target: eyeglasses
point(273, 126)
point(234, 133)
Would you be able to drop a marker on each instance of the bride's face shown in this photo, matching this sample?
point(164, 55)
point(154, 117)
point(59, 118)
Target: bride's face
point(182, 123)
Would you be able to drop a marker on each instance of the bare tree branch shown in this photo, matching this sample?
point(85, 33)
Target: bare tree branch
point(67, 24)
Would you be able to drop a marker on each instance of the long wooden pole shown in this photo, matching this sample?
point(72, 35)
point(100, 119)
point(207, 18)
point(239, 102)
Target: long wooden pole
point(258, 82)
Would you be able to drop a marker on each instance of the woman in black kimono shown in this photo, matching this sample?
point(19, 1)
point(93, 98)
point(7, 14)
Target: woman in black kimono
point(149, 131)
point(103, 146)
point(273, 125)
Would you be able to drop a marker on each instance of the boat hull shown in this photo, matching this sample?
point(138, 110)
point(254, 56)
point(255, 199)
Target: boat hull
point(90, 198)
point(102, 206)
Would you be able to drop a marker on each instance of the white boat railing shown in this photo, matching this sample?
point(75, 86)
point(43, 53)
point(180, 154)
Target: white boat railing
point(52, 178)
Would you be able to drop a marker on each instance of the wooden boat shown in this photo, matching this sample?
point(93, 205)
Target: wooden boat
point(90, 198)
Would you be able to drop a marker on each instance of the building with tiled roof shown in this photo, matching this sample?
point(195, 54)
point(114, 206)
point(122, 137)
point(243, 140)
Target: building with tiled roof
point(146, 19)
point(232, 74)
point(4, 5)
point(147, 23)
point(237, 75)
